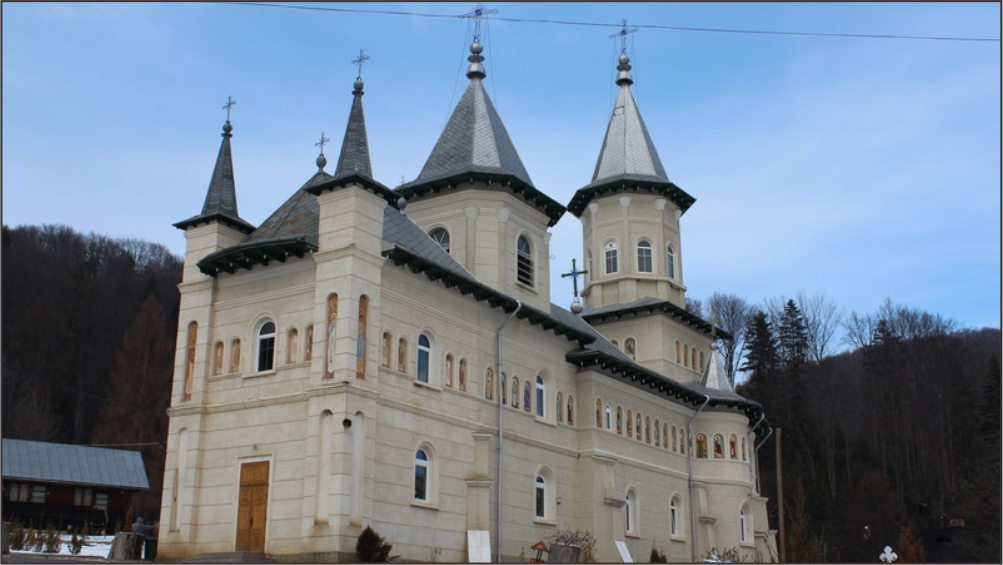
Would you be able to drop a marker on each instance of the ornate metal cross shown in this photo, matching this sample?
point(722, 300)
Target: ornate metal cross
point(322, 142)
point(888, 556)
point(574, 276)
point(361, 59)
point(478, 13)
point(622, 34)
point(230, 102)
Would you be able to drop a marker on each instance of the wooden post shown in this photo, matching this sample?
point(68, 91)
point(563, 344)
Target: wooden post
point(780, 500)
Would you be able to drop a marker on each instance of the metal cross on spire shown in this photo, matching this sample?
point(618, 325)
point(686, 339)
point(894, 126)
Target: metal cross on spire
point(323, 141)
point(478, 13)
point(622, 34)
point(230, 102)
point(574, 274)
point(361, 59)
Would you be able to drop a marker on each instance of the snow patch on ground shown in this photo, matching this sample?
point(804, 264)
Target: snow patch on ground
point(94, 546)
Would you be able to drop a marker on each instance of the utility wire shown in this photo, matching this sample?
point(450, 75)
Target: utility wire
point(645, 26)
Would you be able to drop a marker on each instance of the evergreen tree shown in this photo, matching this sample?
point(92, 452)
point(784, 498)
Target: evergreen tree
point(792, 339)
point(761, 359)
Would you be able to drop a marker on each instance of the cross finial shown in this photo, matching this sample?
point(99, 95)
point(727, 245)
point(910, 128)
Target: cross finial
point(323, 141)
point(361, 59)
point(478, 13)
point(230, 102)
point(622, 34)
point(888, 556)
point(574, 274)
point(713, 324)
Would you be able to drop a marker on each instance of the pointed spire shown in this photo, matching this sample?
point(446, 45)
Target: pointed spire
point(627, 148)
point(354, 158)
point(221, 198)
point(716, 378)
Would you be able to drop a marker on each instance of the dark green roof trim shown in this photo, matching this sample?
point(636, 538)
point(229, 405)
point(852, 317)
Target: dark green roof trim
point(481, 292)
point(359, 179)
point(247, 255)
point(550, 207)
point(235, 223)
point(629, 183)
point(665, 307)
point(683, 394)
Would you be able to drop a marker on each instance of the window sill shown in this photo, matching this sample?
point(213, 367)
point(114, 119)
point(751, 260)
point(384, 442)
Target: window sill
point(678, 539)
point(544, 522)
point(634, 535)
point(546, 421)
point(425, 505)
point(421, 384)
point(261, 374)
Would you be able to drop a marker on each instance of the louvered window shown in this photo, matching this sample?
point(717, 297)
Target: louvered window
point(525, 261)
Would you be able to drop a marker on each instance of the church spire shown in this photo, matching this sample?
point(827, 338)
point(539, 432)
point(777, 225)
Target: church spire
point(221, 198)
point(354, 158)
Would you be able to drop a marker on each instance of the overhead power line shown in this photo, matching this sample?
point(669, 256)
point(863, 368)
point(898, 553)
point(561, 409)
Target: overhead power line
point(616, 25)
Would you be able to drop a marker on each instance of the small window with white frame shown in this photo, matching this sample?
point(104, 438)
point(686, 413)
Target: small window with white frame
point(265, 344)
point(644, 258)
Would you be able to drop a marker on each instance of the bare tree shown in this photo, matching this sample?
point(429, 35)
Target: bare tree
point(822, 318)
point(731, 313)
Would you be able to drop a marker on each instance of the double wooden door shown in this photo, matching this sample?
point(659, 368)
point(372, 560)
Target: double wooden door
point(252, 507)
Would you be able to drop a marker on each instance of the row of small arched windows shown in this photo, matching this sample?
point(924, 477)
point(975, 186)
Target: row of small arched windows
point(636, 425)
point(632, 524)
point(453, 374)
point(645, 258)
point(688, 356)
point(735, 447)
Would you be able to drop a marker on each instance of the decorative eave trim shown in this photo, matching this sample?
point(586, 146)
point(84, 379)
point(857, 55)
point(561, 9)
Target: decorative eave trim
point(481, 292)
point(550, 207)
point(665, 307)
point(247, 255)
point(357, 179)
point(236, 223)
point(629, 183)
point(677, 392)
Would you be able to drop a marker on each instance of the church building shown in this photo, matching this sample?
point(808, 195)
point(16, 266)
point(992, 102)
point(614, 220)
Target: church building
point(391, 358)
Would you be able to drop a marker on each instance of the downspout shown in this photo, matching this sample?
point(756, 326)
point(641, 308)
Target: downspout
point(689, 461)
point(501, 419)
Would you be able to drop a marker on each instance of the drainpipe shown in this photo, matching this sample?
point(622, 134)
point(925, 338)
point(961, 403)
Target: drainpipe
point(689, 461)
point(501, 419)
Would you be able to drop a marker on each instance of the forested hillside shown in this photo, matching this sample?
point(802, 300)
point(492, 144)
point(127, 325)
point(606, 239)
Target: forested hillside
point(89, 327)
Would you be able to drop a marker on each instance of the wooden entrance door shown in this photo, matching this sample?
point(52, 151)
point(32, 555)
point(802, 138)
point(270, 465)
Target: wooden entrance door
point(252, 507)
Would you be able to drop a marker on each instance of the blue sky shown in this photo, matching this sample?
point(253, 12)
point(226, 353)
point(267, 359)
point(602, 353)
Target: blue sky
point(860, 168)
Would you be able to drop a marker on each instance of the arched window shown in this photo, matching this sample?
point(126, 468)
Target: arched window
point(559, 405)
point(733, 446)
point(524, 261)
point(503, 387)
point(192, 341)
point(670, 261)
point(388, 349)
point(647, 429)
point(637, 427)
point(463, 375)
point(644, 257)
point(615, 343)
point(693, 358)
point(718, 446)
point(361, 339)
point(701, 446)
point(571, 410)
point(308, 350)
point(682, 441)
point(630, 512)
point(217, 358)
point(619, 420)
point(658, 433)
point(489, 384)
point(422, 474)
point(449, 371)
point(588, 274)
point(743, 522)
point(665, 436)
point(526, 396)
point(598, 412)
point(541, 397)
point(292, 345)
point(678, 354)
point(630, 347)
point(515, 392)
point(609, 417)
point(331, 335)
point(674, 514)
point(630, 423)
point(541, 497)
point(424, 357)
point(266, 346)
point(686, 355)
point(402, 359)
point(610, 252)
point(440, 236)
point(675, 440)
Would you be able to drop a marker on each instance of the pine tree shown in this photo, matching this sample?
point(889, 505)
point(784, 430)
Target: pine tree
point(761, 359)
point(792, 339)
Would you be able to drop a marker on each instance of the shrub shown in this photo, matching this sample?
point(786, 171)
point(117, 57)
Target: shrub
point(371, 547)
point(16, 535)
point(51, 540)
point(580, 538)
point(656, 555)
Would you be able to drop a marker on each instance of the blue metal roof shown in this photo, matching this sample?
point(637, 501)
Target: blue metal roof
point(73, 464)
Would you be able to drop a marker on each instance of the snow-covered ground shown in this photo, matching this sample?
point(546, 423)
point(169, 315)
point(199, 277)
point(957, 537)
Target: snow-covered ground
point(94, 546)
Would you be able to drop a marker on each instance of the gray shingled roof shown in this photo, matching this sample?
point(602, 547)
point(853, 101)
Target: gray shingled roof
point(73, 464)
point(298, 216)
point(221, 197)
point(354, 158)
point(648, 305)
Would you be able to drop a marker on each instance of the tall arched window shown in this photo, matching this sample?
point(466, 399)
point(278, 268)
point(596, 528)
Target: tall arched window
point(658, 433)
point(292, 345)
point(193, 330)
point(743, 522)
point(217, 358)
point(541, 497)
point(541, 397)
point(609, 417)
point(630, 512)
point(515, 392)
point(545, 495)
point(718, 446)
point(686, 355)
point(308, 349)
point(463, 375)
point(598, 412)
point(527, 396)
point(571, 410)
point(644, 257)
point(388, 349)
point(422, 474)
point(402, 359)
point(424, 357)
point(674, 515)
point(733, 446)
point(619, 420)
point(503, 387)
point(440, 236)
point(701, 446)
point(682, 441)
point(489, 384)
point(670, 261)
point(610, 256)
point(678, 352)
point(266, 346)
point(637, 427)
point(524, 261)
point(630, 423)
point(361, 341)
point(235, 356)
point(647, 429)
point(630, 348)
point(665, 435)
point(559, 405)
point(331, 335)
point(675, 440)
point(449, 371)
